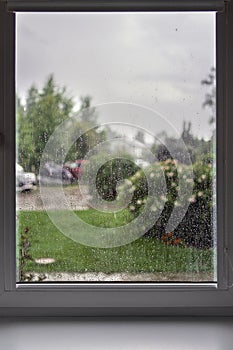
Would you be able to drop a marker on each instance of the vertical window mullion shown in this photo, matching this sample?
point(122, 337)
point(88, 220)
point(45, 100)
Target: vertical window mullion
point(9, 152)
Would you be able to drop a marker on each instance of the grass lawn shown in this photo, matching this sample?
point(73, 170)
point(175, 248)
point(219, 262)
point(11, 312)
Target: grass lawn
point(142, 255)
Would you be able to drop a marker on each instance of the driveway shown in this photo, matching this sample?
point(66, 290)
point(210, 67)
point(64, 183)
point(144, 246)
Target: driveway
point(32, 200)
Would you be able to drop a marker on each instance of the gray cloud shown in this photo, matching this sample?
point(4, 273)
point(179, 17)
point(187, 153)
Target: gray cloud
point(157, 60)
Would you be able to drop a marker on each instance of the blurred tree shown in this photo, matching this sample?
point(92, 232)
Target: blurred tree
point(210, 97)
point(197, 148)
point(140, 137)
point(89, 139)
point(42, 113)
point(36, 121)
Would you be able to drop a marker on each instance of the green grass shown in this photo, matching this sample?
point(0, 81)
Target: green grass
point(142, 255)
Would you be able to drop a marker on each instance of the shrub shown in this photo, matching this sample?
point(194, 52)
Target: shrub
point(111, 173)
point(108, 175)
point(196, 227)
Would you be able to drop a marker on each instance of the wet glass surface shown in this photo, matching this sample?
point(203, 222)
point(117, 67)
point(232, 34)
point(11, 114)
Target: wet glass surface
point(115, 134)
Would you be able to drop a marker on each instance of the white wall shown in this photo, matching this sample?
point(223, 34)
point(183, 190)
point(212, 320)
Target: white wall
point(117, 334)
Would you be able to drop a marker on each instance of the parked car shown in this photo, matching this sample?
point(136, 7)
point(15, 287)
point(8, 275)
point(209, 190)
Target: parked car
point(24, 181)
point(52, 173)
point(75, 168)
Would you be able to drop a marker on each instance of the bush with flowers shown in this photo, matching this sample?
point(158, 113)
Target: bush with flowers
point(196, 227)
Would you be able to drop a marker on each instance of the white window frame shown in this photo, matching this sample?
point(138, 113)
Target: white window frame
point(117, 299)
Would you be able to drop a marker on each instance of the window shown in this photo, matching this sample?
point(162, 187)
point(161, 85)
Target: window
point(136, 199)
point(142, 297)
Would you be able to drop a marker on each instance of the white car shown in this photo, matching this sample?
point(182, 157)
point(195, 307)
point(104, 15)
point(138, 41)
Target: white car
point(24, 181)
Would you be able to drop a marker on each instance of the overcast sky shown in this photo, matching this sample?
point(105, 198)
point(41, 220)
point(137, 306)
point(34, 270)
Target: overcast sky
point(153, 59)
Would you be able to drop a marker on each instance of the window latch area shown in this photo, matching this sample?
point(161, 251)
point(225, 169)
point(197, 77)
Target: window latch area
point(1, 139)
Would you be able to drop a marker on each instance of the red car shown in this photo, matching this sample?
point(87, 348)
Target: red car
point(75, 168)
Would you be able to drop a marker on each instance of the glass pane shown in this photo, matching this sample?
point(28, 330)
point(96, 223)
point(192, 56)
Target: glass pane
point(115, 134)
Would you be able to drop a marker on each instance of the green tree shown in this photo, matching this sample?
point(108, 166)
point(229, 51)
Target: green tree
point(43, 111)
point(37, 120)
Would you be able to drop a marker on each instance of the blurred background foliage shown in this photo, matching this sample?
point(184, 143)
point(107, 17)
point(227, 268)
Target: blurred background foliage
point(43, 110)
